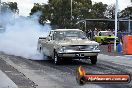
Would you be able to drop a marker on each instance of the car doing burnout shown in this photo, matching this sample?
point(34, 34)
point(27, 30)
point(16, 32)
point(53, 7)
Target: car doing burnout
point(68, 44)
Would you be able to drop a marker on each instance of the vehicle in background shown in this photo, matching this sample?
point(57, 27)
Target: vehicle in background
point(68, 44)
point(105, 37)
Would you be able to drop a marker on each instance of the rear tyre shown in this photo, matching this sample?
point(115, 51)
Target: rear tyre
point(93, 60)
point(39, 48)
point(42, 53)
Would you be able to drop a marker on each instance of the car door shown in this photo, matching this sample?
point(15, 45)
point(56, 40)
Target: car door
point(98, 37)
point(46, 45)
point(50, 43)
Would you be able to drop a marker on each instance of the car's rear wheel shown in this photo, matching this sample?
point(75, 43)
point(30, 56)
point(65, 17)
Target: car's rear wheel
point(93, 59)
point(56, 58)
point(39, 48)
point(41, 51)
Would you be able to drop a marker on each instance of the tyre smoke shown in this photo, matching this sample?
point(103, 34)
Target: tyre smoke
point(21, 35)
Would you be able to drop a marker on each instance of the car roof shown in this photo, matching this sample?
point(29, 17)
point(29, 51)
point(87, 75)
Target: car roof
point(67, 30)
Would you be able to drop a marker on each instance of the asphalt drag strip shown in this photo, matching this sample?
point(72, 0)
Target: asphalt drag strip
point(6, 82)
point(12, 78)
point(47, 75)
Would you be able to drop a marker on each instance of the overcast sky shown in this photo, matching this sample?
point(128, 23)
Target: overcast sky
point(26, 5)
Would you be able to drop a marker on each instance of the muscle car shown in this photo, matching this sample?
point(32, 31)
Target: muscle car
point(68, 44)
point(105, 37)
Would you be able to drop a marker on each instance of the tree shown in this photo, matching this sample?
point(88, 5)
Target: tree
point(37, 7)
point(98, 10)
point(9, 6)
point(126, 12)
point(42, 8)
point(13, 6)
point(110, 12)
point(82, 9)
point(59, 12)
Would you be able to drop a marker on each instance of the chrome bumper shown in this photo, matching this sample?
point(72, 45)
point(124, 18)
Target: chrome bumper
point(78, 54)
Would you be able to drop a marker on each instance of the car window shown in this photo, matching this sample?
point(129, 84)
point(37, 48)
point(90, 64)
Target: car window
point(106, 34)
point(60, 35)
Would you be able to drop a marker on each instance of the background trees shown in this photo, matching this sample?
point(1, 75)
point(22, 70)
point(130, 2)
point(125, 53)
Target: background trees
point(9, 6)
point(58, 12)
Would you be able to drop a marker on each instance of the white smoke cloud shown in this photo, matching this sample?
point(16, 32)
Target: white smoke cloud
point(21, 35)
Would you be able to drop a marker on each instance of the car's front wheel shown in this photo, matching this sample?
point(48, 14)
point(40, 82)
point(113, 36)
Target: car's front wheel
point(93, 59)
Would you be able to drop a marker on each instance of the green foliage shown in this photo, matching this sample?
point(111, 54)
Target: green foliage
point(126, 12)
point(98, 10)
point(9, 6)
point(58, 12)
point(13, 6)
point(44, 8)
point(110, 12)
point(37, 7)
